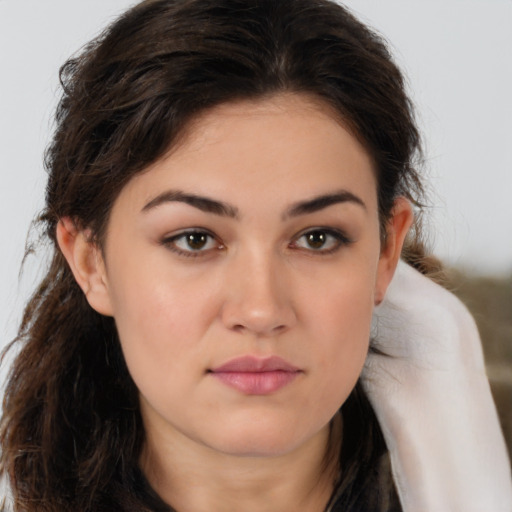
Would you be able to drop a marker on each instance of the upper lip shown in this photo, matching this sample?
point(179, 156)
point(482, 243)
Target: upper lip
point(254, 364)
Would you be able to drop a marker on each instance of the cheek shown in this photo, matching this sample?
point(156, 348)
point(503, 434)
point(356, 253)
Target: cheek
point(347, 316)
point(161, 320)
point(342, 319)
point(337, 339)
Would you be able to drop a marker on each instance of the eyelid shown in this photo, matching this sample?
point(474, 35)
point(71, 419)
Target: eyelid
point(340, 236)
point(169, 241)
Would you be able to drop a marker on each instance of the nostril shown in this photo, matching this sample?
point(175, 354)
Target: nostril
point(240, 328)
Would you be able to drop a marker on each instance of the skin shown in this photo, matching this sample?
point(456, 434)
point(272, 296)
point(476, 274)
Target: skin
point(271, 279)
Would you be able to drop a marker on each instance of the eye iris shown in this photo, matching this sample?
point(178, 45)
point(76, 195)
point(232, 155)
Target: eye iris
point(316, 240)
point(197, 241)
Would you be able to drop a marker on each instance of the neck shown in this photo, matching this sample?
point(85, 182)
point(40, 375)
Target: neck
point(193, 477)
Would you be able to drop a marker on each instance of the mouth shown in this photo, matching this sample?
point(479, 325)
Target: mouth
point(256, 376)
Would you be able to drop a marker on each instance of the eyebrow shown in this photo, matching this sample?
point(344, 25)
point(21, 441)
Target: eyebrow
point(202, 203)
point(209, 205)
point(323, 201)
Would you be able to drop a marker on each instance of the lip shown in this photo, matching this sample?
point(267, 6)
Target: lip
point(256, 376)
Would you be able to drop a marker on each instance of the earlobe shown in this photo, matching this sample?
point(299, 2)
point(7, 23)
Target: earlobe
point(86, 262)
point(396, 231)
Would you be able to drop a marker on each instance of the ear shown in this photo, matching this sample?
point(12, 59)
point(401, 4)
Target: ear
point(86, 262)
point(396, 230)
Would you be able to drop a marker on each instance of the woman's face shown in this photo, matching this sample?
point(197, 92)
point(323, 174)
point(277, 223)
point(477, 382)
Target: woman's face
point(241, 271)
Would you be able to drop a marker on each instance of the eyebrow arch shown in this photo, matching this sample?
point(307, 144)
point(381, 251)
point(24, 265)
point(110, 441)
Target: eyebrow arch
point(323, 201)
point(202, 203)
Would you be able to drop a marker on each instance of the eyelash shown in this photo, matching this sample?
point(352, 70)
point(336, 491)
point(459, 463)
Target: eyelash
point(170, 243)
point(340, 240)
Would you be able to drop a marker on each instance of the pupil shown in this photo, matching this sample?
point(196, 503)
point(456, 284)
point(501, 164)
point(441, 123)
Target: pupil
point(196, 240)
point(316, 239)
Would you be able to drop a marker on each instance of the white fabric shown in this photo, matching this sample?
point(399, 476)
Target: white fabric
point(433, 401)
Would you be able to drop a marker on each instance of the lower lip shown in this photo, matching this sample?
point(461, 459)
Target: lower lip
point(256, 383)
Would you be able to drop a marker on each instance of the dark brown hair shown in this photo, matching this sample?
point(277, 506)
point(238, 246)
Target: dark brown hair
point(71, 432)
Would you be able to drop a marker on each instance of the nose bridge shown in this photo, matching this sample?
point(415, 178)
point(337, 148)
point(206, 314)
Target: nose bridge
point(257, 299)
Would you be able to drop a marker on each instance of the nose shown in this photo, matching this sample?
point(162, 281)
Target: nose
point(258, 299)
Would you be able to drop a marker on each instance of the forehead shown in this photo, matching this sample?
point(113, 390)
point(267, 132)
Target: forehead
point(290, 112)
point(285, 148)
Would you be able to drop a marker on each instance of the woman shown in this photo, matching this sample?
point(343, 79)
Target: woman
point(230, 190)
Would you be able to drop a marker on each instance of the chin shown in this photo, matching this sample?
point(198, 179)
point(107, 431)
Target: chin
point(261, 438)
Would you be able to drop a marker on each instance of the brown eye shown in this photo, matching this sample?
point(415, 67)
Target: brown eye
point(191, 243)
point(316, 239)
point(322, 241)
point(196, 241)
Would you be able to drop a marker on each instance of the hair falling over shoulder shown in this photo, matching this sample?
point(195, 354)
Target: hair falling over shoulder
point(71, 431)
